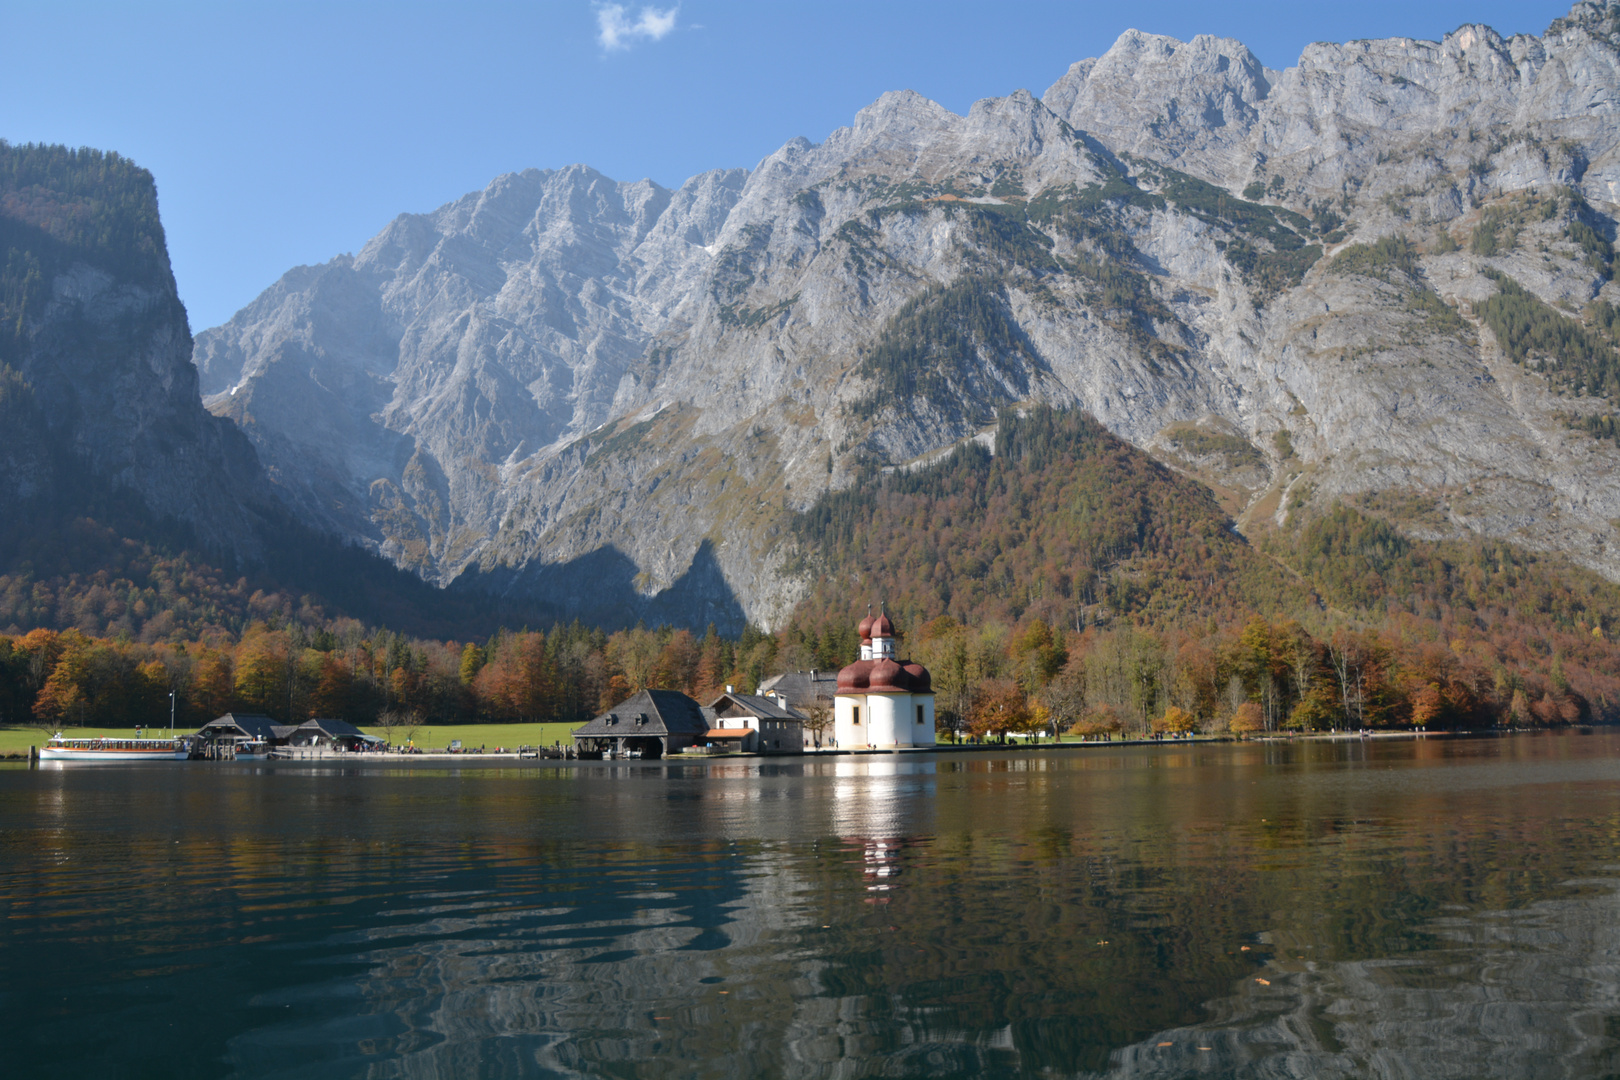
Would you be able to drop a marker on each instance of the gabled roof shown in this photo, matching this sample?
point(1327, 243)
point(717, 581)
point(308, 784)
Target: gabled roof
point(755, 705)
point(334, 728)
point(253, 725)
point(803, 689)
point(650, 712)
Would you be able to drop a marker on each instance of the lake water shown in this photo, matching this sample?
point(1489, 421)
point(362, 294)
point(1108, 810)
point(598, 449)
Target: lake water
point(1400, 908)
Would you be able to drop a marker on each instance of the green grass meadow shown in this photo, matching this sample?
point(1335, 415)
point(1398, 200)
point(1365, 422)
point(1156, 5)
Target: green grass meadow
point(489, 736)
point(15, 741)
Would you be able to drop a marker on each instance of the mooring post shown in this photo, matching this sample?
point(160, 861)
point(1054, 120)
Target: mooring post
point(33, 755)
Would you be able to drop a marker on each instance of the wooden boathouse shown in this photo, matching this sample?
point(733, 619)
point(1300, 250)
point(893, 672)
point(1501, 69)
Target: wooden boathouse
point(654, 723)
point(222, 736)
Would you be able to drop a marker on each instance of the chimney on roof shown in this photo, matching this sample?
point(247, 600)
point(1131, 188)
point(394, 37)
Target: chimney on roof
point(728, 688)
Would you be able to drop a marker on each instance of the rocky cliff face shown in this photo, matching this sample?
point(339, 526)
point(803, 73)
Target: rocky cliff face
point(96, 380)
point(613, 394)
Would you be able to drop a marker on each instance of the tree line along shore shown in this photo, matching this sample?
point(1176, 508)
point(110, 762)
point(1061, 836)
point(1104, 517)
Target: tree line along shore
point(992, 679)
point(1066, 582)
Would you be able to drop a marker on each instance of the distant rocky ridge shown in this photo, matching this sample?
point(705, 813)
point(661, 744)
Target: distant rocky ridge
point(614, 395)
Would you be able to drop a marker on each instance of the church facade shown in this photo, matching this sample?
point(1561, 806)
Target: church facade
point(882, 702)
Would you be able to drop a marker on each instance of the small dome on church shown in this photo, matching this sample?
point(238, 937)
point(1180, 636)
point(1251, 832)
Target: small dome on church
point(888, 675)
point(882, 673)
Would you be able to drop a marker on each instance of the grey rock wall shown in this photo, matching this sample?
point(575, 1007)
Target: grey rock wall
point(563, 365)
point(112, 389)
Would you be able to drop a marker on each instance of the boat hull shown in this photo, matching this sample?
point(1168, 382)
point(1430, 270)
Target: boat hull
point(110, 751)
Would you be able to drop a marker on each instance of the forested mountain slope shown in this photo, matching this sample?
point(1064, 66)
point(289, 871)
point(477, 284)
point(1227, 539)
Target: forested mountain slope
point(1384, 270)
point(1070, 567)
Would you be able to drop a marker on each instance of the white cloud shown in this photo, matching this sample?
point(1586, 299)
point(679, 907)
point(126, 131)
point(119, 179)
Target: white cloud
point(618, 31)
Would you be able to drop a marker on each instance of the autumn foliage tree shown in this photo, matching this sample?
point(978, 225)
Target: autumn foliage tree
point(1247, 720)
point(1000, 708)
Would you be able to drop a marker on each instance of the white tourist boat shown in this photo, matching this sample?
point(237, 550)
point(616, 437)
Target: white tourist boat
point(64, 749)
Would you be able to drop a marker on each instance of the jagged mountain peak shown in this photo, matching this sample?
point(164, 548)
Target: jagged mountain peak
point(1172, 238)
point(896, 111)
point(1593, 19)
point(1158, 96)
point(1204, 56)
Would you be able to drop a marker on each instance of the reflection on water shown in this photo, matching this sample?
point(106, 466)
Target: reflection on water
point(1435, 908)
point(1505, 993)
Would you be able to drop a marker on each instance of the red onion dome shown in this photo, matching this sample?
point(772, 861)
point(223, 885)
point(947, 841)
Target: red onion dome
point(885, 676)
point(865, 629)
point(855, 676)
point(882, 627)
point(888, 675)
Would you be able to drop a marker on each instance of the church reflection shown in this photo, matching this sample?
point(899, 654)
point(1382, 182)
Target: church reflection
point(882, 804)
point(1125, 914)
point(726, 954)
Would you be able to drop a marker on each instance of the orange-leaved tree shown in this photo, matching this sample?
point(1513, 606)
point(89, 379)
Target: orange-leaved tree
point(1176, 721)
point(1000, 708)
point(1248, 718)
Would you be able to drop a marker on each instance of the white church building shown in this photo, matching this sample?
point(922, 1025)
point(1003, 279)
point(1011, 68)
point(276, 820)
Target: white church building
point(881, 701)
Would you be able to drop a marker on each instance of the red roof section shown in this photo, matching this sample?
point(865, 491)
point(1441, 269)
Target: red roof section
point(884, 677)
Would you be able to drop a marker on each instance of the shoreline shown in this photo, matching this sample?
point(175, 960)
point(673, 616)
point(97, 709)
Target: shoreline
point(508, 758)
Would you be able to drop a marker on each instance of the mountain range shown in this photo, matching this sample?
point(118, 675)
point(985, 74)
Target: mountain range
point(1379, 277)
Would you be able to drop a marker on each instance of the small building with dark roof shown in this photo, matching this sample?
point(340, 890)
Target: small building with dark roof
point(812, 695)
point(802, 690)
point(756, 723)
point(654, 722)
point(245, 728)
point(325, 732)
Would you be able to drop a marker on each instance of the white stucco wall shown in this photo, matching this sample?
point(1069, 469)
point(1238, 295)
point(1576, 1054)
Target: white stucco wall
point(886, 709)
point(846, 732)
point(922, 734)
point(885, 720)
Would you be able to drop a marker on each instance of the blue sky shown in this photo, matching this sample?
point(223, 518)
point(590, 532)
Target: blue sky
point(287, 133)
